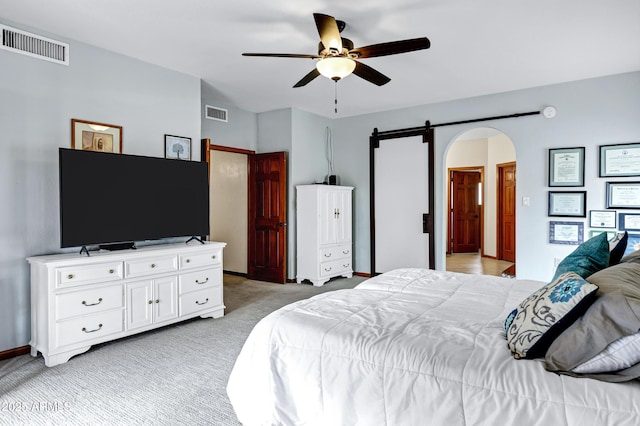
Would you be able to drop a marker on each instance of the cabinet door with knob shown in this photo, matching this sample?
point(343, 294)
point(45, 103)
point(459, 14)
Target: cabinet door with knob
point(151, 301)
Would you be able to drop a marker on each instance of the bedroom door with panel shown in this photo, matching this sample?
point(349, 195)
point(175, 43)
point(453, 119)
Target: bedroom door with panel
point(465, 212)
point(401, 201)
point(268, 217)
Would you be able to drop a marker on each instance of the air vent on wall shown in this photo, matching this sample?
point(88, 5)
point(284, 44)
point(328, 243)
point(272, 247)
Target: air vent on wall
point(216, 113)
point(33, 45)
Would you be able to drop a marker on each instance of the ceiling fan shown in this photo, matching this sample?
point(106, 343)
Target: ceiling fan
point(337, 57)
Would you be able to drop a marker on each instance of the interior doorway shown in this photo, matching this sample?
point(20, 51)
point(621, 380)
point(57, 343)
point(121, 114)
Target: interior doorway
point(483, 149)
point(466, 209)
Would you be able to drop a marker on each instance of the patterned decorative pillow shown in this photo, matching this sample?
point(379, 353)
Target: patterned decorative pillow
point(541, 317)
point(590, 257)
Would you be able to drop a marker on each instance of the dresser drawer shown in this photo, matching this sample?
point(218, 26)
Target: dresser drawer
point(95, 272)
point(197, 260)
point(335, 252)
point(149, 266)
point(335, 267)
point(89, 301)
point(88, 328)
point(200, 300)
point(200, 279)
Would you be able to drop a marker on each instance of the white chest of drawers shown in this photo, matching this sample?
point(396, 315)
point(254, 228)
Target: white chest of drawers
point(79, 301)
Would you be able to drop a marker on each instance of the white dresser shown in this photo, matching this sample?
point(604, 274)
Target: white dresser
point(323, 233)
point(79, 301)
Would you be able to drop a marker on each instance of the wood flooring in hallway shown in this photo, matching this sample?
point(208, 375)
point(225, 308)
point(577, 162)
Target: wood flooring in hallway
point(473, 263)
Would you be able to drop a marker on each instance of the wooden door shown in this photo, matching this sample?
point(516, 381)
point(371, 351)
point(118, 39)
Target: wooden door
point(465, 211)
point(268, 217)
point(506, 237)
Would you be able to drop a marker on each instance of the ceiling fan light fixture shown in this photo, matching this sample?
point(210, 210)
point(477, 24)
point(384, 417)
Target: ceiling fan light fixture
point(336, 68)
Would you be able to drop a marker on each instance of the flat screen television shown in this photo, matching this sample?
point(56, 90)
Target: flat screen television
point(114, 200)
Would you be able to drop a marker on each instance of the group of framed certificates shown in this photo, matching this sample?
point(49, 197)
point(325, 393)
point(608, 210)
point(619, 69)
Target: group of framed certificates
point(566, 169)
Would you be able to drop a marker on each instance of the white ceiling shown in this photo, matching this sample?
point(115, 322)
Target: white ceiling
point(477, 47)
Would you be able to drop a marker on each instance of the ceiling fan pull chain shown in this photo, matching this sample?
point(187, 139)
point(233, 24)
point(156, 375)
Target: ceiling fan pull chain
point(335, 100)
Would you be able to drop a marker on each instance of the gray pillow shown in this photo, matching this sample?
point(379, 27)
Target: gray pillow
point(615, 314)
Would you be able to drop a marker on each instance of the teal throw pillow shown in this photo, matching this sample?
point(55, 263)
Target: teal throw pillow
point(589, 258)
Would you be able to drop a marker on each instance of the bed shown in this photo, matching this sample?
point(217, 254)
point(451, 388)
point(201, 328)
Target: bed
point(412, 347)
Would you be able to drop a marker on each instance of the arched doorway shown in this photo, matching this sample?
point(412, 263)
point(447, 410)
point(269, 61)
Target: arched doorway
point(480, 212)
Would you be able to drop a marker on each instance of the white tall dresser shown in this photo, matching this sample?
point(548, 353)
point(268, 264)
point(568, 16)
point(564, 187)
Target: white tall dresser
point(324, 233)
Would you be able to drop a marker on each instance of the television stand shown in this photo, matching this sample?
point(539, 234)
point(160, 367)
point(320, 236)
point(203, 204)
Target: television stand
point(78, 302)
point(194, 238)
point(118, 246)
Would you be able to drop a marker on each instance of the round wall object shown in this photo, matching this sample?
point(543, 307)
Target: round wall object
point(549, 112)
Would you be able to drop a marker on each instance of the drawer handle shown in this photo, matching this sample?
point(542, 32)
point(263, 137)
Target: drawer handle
point(84, 302)
point(203, 303)
point(70, 276)
point(345, 251)
point(346, 266)
point(91, 331)
point(153, 265)
point(202, 282)
point(213, 257)
point(327, 255)
point(327, 269)
point(150, 302)
point(188, 260)
point(111, 271)
point(157, 300)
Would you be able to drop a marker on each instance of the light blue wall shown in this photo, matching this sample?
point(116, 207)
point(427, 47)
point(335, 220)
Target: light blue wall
point(241, 129)
point(590, 113)
point(38, 101)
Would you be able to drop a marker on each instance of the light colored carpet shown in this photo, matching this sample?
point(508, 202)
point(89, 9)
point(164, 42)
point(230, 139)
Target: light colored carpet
point(175, 375)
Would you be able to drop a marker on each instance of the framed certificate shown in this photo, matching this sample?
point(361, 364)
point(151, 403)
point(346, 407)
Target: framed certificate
point(566, 167)
point(620, 160)
point(630, 222)
point(566, 233)
point(567, 203)
point(602, 218)
point(623, 195)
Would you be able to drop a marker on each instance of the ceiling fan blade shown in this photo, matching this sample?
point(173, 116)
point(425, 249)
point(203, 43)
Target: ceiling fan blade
point(307, 78)
point(371, 75)
point(392, 47)
point(329, 32)
point(282, 55)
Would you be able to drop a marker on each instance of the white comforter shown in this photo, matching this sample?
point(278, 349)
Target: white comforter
point(411, 347)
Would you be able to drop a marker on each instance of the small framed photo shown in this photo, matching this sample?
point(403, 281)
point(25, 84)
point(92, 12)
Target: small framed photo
point(602, 218)
point(177, 147)
point(630, 222)
point(566, 167)
point(633, 244)
point(571, 233)
point(594, 232)
point(621, 160)
point(623, 195)
point(94, 136)
point(567, 203)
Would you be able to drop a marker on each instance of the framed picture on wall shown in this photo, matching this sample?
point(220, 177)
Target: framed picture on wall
point(566, 167)
point(602, 218)
point(571, 233)
point(177, 147)
point(94, 136)
point(630, 222)
point(567, 203)
point(623, 195)
point(620, 160)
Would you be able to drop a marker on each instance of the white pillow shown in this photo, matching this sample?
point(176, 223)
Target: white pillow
point(622, 353)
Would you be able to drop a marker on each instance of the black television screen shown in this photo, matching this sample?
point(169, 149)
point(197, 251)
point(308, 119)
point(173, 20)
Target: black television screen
point(110, 198)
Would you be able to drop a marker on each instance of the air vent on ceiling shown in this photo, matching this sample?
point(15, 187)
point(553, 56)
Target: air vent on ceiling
point(216, 113)
point(33, 45)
